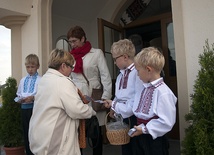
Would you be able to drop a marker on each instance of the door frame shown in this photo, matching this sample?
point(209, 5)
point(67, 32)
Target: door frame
point(170, 81)
point(101, 43)
point(101, 23)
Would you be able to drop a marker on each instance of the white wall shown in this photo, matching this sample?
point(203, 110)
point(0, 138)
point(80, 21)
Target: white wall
point(61, 25)
point(193, 24)
point(30, 38)
point(19, 6)
point(198, 26)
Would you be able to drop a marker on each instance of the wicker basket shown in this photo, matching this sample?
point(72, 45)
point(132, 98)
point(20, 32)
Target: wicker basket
point(119, 136)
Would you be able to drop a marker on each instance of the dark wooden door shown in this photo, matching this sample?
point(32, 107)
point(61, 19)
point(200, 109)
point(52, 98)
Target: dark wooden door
point(158, 31)
point(154, 31)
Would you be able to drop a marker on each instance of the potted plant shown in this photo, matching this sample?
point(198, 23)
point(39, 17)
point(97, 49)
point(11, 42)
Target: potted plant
point(199, 138)
point(10, 119)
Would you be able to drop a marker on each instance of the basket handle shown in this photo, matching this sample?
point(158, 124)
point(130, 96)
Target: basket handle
point(107, 117)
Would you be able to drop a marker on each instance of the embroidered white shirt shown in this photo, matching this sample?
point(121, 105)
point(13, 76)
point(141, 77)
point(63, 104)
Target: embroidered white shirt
point(160, 102)
point(124, 95)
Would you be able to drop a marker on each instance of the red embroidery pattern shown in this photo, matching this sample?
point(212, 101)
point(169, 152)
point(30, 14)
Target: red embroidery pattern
point(146, 98)
point(124, 79)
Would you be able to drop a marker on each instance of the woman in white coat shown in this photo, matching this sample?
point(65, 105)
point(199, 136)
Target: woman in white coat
point(91, 63)
point(57, 110)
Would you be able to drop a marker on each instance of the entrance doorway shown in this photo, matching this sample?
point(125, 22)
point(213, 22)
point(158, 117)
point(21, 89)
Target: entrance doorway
point(154, 31)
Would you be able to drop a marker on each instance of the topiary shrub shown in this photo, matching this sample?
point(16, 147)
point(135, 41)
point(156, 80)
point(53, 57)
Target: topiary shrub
point(199, 138)
point(10, 116)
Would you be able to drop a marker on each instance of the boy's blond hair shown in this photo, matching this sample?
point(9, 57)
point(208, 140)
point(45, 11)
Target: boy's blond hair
point(151, 57)
point(32, 59)
point(124, 46)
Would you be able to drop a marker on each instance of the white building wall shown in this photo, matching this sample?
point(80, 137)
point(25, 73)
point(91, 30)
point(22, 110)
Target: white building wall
point(61, 25)
point(193, 24)
point(30, 36)
point(18, 6)
point(198, 26)
point(27, 35)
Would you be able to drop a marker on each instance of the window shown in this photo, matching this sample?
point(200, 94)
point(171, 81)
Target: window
point(62, 43)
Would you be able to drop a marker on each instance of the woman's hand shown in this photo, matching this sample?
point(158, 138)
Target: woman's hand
point(107, 103)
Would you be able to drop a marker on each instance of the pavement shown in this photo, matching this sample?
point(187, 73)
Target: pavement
point(116, 149)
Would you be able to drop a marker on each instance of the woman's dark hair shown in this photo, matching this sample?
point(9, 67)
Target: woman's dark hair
point(76, 32)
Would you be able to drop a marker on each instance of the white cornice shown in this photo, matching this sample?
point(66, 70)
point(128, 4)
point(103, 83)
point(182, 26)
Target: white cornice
point(10, 21)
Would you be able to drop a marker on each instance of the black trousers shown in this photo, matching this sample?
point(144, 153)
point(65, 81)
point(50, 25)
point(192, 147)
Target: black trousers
point(97, 144)
point(127, 149)
point(26, 115)
point(145, 145)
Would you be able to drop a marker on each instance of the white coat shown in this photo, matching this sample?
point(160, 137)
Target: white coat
point(97, 73)
point(55, 120)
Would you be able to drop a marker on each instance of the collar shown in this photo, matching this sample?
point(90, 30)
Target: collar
point(154, 83)
point(130, 67)
point(32, 76)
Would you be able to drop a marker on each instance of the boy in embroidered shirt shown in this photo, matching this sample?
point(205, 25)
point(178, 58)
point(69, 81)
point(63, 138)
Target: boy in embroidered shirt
point(154, 106)
point(123, 53)
point(26, 92)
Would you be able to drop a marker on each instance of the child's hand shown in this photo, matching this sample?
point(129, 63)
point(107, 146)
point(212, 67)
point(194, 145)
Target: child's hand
point(111, 113)
point(28, 99)
point(18, 99)
point(137, 132)
point(21, 101)
point(107, 103)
